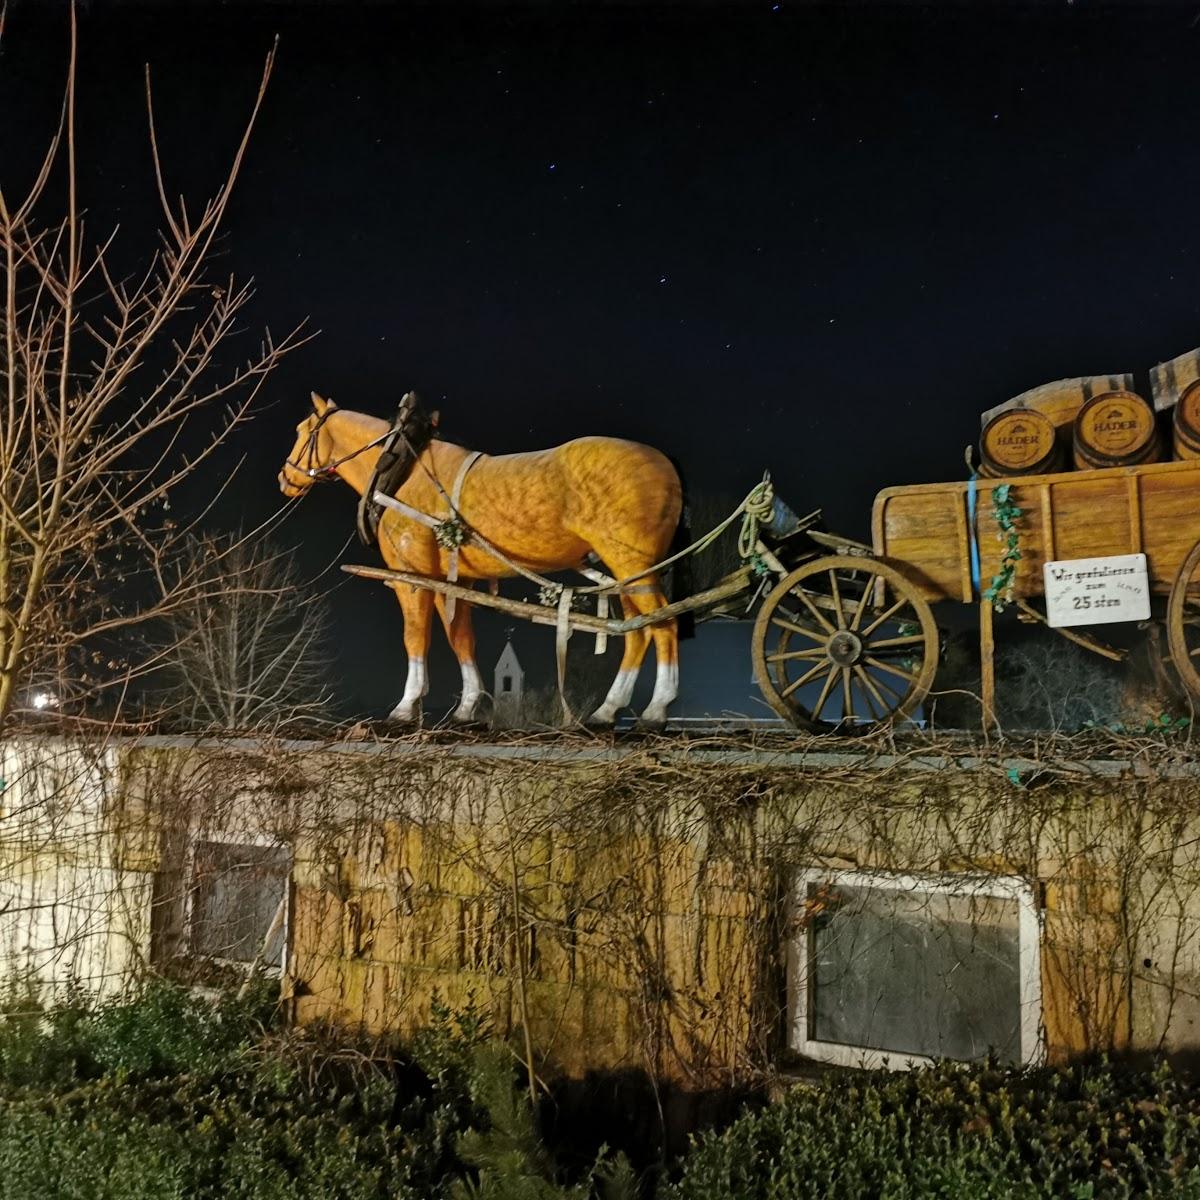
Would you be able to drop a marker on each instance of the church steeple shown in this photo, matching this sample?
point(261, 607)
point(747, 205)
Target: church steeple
point(508, 687)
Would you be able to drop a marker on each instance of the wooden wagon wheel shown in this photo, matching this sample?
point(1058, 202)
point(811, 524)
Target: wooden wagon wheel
point(1183, 622)
point(827, 655)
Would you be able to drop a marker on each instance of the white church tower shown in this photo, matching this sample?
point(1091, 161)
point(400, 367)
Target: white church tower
point(508, 689)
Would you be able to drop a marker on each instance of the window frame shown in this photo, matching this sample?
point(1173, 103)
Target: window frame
point(799, 952)
point(228, 837)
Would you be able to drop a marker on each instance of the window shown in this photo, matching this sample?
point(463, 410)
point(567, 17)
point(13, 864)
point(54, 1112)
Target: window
point(905, 969)
point(237, 899)
point(506, 684)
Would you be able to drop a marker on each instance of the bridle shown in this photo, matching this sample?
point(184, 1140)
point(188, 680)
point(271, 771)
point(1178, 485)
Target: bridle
point(323, 474)
point(402, 443)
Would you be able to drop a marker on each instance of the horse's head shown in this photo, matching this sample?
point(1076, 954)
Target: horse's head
point(312, 453)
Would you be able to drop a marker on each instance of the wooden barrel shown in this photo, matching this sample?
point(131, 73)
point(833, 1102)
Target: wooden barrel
point(1115, 429)
point(1170, 380)
point(1187, 422)
point(1062, 399)
point(1018, 442)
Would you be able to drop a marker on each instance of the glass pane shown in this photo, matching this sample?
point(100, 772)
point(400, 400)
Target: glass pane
point(237, 889)
point(915, 972)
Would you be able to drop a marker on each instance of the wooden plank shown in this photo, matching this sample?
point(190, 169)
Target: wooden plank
point(962, 520)
point(540, 614)
point(1046, 495)
point(1135, 515)
point(987, 665)
point(1170, 525)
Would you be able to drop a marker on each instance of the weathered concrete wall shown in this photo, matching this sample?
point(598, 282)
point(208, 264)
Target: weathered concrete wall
point(624, 906)
point(74, 907)
point(635, 912)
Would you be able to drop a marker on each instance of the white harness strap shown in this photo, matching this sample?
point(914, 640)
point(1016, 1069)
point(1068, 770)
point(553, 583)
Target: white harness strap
point(562, 632)
point(455, 497)
point(407, 510)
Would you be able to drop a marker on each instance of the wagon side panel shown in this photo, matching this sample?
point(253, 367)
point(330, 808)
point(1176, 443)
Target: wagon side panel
point(1170, 521)
point(1085, 516)
point(1152, 509)
point(923, 533)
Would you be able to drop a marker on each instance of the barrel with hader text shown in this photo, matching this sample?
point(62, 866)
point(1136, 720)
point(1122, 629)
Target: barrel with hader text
point(1115, 429)
point(1019, 442)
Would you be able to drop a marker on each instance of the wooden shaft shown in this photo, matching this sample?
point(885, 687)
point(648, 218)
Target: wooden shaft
point(1080, 639)
point(987, 650)
point(540, 614)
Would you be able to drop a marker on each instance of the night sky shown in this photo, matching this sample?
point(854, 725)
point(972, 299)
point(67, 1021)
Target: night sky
point(815, 239)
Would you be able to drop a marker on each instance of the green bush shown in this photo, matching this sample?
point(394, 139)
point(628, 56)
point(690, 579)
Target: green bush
point(169, 1095)
point(963, 1132)
point(167, 1028)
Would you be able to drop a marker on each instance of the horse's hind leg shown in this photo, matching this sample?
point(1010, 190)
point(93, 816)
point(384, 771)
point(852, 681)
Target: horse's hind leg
point(417, 606)
point(647, 597)
point(621, 692)
point(461, 635)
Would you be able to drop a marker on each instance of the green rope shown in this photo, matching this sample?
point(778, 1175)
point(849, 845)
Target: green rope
point(756, 509)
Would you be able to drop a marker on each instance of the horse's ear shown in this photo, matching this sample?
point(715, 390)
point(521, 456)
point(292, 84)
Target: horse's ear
point(321, 405)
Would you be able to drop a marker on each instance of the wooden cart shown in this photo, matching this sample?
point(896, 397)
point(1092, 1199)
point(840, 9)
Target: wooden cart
point(845, 636)
point(922, 554)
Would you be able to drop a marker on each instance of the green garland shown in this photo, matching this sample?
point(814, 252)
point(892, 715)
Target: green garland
point(1006, 513)
point(451, 533)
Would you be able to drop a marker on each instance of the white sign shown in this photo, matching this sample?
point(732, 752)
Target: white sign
point(1097, 591)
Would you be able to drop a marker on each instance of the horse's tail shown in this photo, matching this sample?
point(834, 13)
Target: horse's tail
point(681, 572)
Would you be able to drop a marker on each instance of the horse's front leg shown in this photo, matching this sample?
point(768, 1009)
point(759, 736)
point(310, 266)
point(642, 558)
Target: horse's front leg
point(460, 633)
point(417, 606)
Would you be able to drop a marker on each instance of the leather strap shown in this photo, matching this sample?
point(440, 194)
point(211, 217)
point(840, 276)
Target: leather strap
point(562, 633)
point(455, 497)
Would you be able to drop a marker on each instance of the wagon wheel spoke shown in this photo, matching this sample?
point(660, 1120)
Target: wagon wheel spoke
point(868, 685)
point(887, 616)
point(884, 665)
point(792, 627)
point(817, 655)
point(816, 612)
point(798, 683)
point(908, 640)
point(860, 609)
point(887, 687)
point(835, 592)
point(847, 698)
point(824, 696)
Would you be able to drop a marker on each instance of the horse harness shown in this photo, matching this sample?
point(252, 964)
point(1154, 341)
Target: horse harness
point(397, 459)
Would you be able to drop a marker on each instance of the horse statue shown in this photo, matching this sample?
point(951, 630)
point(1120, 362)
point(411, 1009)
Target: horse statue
point(544, 511)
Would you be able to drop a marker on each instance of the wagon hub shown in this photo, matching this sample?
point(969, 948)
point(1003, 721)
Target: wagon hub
point(845, 648)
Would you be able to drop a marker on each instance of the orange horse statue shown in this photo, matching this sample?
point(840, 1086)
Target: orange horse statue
point(545, 510)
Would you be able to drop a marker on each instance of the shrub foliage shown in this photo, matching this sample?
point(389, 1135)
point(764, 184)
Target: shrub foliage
point(173, 1096)
point(963, 1132)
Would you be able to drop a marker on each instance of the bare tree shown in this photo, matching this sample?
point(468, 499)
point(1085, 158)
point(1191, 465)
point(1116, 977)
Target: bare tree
point(102, 379)
point(247, 650)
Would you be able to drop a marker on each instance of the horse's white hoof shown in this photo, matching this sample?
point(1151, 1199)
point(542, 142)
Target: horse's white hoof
point(601, 719)
point(467, 711)
point(654, 721)
point(405, 714)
